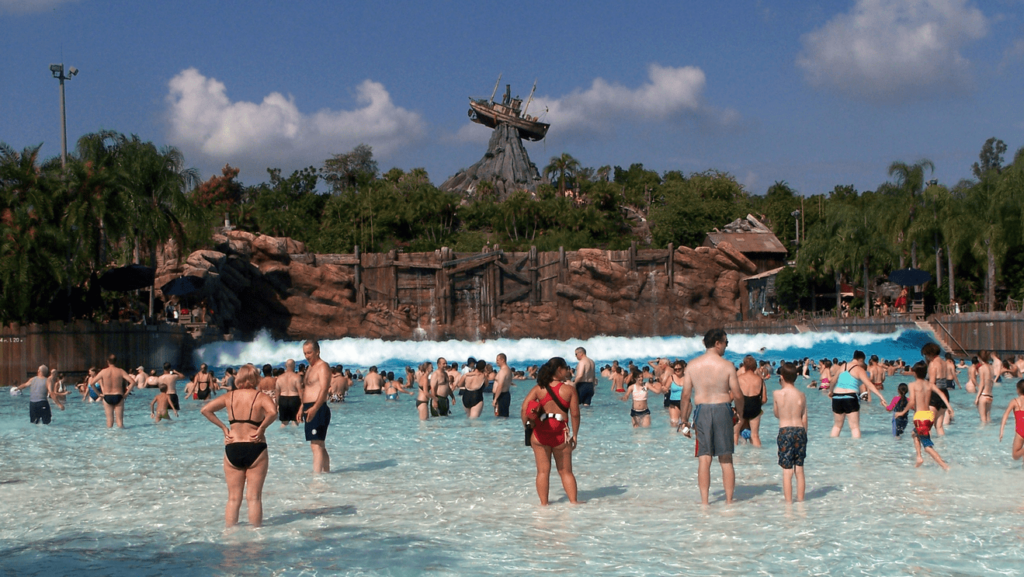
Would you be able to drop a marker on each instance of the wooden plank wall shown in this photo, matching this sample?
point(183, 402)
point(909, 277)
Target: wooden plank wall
point(73, 349)
point(475, 284)
point(1001, 332)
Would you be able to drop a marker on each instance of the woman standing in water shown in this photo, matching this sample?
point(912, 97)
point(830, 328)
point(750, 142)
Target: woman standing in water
point(845, 395)
point(545, 412)
point(245, 446)
point(640, 413)
point(675, 395)
point(754, 395)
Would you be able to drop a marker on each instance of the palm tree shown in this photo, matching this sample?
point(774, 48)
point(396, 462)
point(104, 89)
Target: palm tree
point(564, 165)
point(910, 183)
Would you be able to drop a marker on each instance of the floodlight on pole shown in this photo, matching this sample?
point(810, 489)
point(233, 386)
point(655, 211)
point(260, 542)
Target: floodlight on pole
point(796, 214)
point(58, 72)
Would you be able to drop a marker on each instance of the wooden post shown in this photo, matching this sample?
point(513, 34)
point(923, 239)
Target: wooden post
point(495, 285)
point(485, 291)
point(534, 285)
point(670, 265)
point(360, 293)
point(450, 289)
point(561, 264)
point(393, 255)
point(632, 256)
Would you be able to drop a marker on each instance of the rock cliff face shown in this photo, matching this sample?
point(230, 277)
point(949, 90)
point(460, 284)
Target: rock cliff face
point(257, 282)
point(506, 165)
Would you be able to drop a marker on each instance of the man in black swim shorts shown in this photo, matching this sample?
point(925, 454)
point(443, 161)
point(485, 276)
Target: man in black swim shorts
point(585, 378)
point(314, 405)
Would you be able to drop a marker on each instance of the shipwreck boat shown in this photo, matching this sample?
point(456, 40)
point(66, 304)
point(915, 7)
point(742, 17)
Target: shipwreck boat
point(491, 114)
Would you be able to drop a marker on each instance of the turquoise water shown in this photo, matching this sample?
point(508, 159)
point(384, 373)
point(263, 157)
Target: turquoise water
point(456, 497)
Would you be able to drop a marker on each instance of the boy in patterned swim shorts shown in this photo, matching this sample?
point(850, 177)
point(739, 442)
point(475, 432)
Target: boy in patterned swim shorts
point(790, 406)
point(921, 391)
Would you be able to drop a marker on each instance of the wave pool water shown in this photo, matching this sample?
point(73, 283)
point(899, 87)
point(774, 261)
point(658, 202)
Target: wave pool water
point(456, 497)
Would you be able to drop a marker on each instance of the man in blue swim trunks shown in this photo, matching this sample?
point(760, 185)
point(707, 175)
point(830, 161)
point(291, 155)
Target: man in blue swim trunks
point(585, 379)
point(713, 382)
point(314, 405)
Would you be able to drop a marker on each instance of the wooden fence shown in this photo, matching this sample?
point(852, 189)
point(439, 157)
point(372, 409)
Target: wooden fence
point(76, 347)
point(455, 284)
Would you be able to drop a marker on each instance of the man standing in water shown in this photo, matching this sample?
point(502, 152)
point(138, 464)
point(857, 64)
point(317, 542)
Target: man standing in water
point(112, 380)
point(373, 384)
point(316, 413)
point(170, 378)
point(938, 375)
point(584, 380)
point(40, 389)
point(288, 389)
point(502, 384)
point(713, 382)
point(440, 386)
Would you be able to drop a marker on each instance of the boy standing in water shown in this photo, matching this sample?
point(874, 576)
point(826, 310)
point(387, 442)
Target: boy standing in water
point(163, 405)
point(920, 395)
point(790, 407)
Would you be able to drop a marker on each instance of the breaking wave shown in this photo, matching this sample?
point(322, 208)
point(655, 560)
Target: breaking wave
point(357, 353)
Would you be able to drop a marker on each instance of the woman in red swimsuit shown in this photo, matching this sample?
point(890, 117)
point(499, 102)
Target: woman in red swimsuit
point(546, 409)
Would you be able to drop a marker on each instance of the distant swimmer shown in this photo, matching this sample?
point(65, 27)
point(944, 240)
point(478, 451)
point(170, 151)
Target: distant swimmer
point(315, 411)
point(112, 382)
point(986, 380)
point(268, 384)
point(713, 383)
point(39, 392)
point(288, 391)
point(502, 387)
point(423, 390)
point(938, 375)
point(584, 379)
point(373, 384)
point(140, 377)
point(161, 406)
point(201, 386)
point(473, 391)
point(171, 378)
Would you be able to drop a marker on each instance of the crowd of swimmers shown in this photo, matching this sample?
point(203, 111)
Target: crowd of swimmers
point(725, 402)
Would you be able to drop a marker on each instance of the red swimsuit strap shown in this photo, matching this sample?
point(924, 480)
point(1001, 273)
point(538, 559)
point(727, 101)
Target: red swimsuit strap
point(547, 397)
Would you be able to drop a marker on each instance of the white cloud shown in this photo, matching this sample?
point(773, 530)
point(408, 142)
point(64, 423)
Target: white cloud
point(471, 133)
point(670, 94)
point(894, 50)
point(23, 6)
point(204, 122)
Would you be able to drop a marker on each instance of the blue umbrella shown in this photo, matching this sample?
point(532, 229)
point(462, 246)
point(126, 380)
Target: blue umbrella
point(183, 285)
point(909, 277)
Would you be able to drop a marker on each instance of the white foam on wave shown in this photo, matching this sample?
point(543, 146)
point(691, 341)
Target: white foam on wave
point(366, 352)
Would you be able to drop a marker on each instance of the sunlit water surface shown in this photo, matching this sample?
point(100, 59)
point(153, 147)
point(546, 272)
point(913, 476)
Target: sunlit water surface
point(453, 496)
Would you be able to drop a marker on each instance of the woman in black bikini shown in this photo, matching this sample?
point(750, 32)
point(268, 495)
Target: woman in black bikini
point(245, 446)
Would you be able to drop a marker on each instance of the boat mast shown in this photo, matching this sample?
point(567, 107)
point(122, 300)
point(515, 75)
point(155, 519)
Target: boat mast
point(534, 89)
point(495, 91)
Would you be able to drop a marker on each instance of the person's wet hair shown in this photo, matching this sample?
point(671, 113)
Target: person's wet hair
point(750, 363)
point(713, 337)
point(788, 372)
point(268, 371)
point(858, 355)
point(546, 373)
point(931, 350)
point(903, 389)
point(920, 369)
point(248, 377)
point(1020, 387)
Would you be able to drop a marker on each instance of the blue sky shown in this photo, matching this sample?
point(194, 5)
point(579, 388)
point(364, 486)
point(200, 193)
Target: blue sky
point(813, 93)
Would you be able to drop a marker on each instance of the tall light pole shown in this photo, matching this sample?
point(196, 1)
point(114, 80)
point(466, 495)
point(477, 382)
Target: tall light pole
point(58, 73)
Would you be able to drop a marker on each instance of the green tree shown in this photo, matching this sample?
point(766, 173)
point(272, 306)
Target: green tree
point(350, 170)
point(565, 166)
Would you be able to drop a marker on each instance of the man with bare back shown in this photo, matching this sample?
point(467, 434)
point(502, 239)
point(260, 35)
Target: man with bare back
point(170, 378)
point(502, 387)
point(288, 390)
point(712, 381)
point(938, 375)
point(112, 383)
point(373, 384)
point(315, 411)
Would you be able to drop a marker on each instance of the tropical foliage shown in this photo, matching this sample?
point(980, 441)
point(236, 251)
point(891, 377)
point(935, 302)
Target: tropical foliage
point(120, 197)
